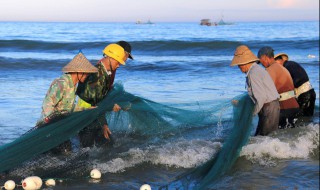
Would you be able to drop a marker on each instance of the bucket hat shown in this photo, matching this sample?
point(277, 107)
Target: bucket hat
point(284, 56)
point(79, 64)
point(243, 55)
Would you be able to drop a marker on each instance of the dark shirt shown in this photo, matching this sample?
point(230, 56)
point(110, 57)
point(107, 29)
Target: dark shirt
point(298, 74)
point(96, 85)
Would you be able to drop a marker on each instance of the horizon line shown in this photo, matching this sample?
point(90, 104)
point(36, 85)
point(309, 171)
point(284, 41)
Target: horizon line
point(134, 22)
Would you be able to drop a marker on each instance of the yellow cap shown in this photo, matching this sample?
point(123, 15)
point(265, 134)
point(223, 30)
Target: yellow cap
point(116, 52)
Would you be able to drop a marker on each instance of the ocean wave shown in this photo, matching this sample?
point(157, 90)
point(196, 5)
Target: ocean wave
point(157, 47)
point(45, 61)
point(48, 46)
point(300, 142)
point(31, 64)
point(184, 154)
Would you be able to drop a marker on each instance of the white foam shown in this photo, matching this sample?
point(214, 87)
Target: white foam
point(183, 153)
point(186, 154)
point(283, 145)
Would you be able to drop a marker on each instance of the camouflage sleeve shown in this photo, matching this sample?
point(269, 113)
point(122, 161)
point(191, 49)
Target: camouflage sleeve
point(53, 96)
point(101, 89)
point(87, 90)
point(94, 88)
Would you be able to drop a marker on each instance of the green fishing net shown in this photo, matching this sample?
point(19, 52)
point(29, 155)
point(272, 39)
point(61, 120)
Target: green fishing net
point(140, 117)
point(205, 175)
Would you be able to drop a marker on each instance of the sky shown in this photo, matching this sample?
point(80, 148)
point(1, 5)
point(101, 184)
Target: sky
point(158, 10)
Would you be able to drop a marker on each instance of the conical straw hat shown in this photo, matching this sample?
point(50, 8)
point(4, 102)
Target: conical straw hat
point(79, 64)
point(243, 55)
point(284, 56)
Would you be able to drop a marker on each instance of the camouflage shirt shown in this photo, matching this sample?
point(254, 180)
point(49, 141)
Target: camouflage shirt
point(60, 96)
point(96, 86)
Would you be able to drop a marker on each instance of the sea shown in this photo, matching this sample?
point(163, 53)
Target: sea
point(174, 64)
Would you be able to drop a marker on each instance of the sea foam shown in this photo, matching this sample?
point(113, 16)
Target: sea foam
point(184, 154)
point(298, 143)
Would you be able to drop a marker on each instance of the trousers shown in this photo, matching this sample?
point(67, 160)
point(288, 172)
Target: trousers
point(268, 118)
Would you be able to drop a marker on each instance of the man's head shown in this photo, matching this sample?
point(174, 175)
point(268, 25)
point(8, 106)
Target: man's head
point(127, 48)
point(243, 57)
point(266, 56)
point(81, 66)
point(115, 55)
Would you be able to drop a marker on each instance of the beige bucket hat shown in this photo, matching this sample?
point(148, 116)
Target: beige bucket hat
point(243, 55)
point(79, 64)
point(284, 56)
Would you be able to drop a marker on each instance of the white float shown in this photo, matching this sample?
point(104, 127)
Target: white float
point(32, 183)
point(28, 184)
point(9, 185)
point(95, 174)
point(50, 182)
point(145, 187)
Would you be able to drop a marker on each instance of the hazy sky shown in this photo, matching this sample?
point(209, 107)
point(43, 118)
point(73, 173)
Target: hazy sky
point(158, 10)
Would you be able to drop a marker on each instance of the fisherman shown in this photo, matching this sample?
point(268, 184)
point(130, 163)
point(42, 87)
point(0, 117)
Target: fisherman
point(96, 87)
point(60, 98)
point(281, 77)
point(261, 90)
point(304, 92)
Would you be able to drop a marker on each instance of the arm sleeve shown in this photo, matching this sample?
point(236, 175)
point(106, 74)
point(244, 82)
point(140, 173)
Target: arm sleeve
point(53, 96)
point(87, 90)
point(258, 92)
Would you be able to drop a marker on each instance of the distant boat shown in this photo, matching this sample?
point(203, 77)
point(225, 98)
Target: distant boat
point(140, 22)
point(221, 22)
point(207, 22)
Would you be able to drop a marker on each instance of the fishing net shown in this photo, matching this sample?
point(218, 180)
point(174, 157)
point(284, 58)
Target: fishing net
point(224, 160)
point(206, 174)
point(31, 154)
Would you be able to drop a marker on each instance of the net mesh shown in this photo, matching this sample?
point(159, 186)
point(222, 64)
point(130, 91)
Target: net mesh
point(203, 176)
point(140, 117)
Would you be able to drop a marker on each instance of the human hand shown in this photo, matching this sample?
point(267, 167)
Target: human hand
point(46, 120)
point(106, 132)
point(235, 102)
point(116, 108)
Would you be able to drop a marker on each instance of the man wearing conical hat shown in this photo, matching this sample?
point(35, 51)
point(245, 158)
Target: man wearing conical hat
point(281, 77)
point(261, 90)
point(60, 97)
point(304, 91)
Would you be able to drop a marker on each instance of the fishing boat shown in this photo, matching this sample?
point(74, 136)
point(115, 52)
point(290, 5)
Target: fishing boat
point(140, 22)
point(221, 22)
point(207, 22)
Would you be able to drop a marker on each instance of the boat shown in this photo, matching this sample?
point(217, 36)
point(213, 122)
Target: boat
point(207, 22)
point(221, 22)
point(140, 22)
